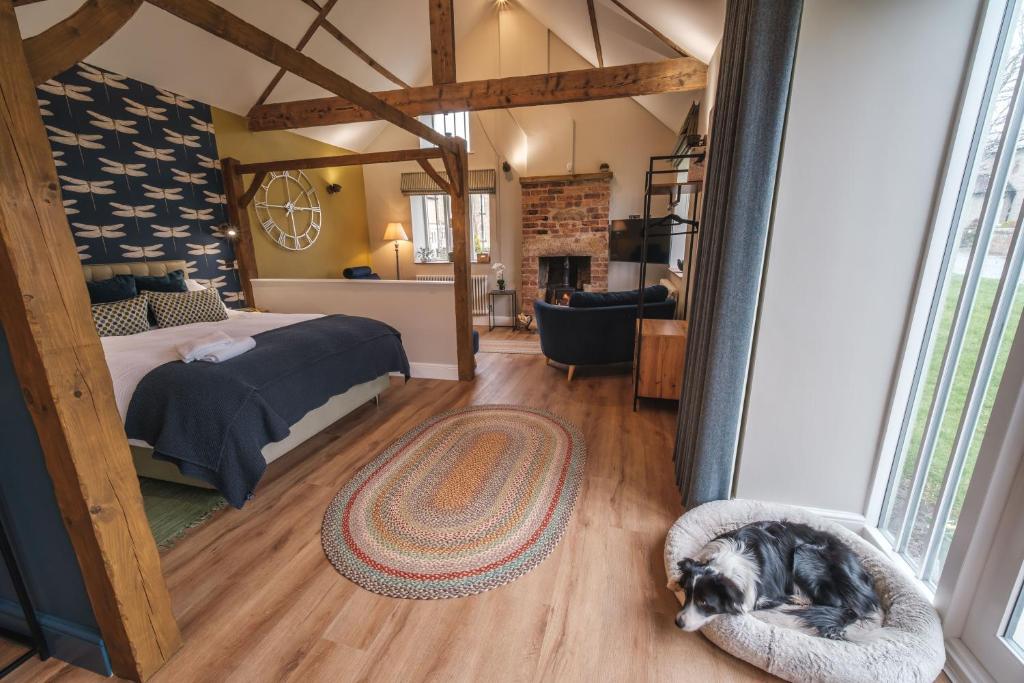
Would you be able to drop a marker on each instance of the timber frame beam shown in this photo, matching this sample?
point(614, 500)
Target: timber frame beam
point(215, 20)
point(650, 78)
point(60, 366)
point(76, 37)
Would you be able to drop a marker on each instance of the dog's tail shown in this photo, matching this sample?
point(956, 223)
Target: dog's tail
point(837, 623)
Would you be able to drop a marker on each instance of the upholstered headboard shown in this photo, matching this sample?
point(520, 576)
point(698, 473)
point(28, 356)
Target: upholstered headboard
point(105, 271)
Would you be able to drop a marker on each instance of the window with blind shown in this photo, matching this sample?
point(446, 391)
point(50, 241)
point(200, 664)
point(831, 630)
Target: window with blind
point(431, 211)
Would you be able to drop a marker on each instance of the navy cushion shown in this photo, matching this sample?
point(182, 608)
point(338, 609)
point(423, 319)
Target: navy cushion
point(476, 342)
point(173, 281)
point(359, 273)
point(652, 295)
point(117, 288)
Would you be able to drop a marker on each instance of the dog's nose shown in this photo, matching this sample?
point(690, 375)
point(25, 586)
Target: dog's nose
point(679, 621)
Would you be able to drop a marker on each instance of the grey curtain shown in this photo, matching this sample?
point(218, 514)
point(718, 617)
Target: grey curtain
point(758, 50)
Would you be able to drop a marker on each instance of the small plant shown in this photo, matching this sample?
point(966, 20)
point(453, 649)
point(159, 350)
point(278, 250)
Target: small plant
point(499, 272)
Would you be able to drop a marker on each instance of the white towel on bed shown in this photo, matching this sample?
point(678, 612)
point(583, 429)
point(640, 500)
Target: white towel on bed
point(200, 346)
point(236, 348)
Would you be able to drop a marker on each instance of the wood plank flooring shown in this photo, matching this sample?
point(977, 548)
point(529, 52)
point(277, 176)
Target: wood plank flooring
point(257, 600)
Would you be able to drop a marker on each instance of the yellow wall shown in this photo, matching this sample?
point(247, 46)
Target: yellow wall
point(343, 239)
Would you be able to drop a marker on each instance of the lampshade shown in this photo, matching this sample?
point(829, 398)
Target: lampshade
point(619, 226)
point(395, 231)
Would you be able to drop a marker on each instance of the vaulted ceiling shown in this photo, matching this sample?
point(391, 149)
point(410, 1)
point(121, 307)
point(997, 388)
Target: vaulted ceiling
point(159, 49)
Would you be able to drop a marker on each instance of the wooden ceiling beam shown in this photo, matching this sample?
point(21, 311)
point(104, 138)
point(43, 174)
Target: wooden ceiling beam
point(445, 186)
point(657, 34)
point(217, 21)
point(332, 28)
point(70, 41)
point(442, 41)
point(597, 34)
point(303, 41)
point(340, 160)
point(674, 75)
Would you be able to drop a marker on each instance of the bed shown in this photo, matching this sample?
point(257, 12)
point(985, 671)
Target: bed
point(203, 424)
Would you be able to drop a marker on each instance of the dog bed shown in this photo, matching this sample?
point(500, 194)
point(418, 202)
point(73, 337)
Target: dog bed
point(908, 647)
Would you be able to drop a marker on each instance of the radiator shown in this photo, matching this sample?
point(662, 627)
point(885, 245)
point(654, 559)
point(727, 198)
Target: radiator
point(477, 289)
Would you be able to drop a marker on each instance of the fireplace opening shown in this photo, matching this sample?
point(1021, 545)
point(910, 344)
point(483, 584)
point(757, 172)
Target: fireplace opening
point(559, 276)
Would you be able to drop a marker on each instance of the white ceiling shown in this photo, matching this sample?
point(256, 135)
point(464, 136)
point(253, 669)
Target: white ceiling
point(162, 50)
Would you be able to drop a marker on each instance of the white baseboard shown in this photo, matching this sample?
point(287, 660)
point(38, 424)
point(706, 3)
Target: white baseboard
point(962, 666)
point(854, 521)
point(432, 371)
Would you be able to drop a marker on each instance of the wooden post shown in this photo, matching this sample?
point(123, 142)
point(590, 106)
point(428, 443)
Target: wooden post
point(458, 175)
point(60, 365)
point(238, 216)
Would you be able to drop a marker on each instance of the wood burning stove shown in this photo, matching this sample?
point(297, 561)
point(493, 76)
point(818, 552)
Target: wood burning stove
point(560, 276)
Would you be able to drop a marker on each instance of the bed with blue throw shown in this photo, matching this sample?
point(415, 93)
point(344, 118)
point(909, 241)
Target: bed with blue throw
point(212, 420)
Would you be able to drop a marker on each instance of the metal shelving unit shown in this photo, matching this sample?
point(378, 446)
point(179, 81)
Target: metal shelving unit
point(665, 226)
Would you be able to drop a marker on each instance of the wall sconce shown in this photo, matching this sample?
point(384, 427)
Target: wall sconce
point(227, 230)
point(333, 188)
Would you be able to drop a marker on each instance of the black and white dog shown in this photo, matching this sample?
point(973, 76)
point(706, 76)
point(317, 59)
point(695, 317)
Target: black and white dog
point(807, 578)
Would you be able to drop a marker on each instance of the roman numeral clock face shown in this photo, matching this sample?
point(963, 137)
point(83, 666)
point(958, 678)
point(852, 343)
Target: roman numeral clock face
point(289, 210)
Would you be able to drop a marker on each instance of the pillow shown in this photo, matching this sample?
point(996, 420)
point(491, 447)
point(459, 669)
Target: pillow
point(120, 318)
point(117, 288)
point(184, 308)
point(173, 281)
point(652, 295)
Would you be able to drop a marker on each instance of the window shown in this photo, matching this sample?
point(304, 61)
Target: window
point(455, 124)
point(968, 309)
point(432, 226)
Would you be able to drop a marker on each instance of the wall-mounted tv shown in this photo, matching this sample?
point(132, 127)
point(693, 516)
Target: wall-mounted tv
point(625, 241)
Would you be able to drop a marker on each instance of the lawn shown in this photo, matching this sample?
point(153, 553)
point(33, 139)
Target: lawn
point(954, 410)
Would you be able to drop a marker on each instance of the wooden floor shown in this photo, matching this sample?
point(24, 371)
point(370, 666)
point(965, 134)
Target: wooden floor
point(257, 600)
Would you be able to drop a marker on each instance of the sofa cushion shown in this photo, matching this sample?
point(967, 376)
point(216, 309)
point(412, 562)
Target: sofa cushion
point(360, 273)
point(652, 295)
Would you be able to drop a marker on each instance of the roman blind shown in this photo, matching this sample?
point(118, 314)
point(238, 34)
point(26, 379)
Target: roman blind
point(481, 181)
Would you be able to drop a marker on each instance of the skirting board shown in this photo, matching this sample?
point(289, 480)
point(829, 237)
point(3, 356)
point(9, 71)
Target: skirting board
point(962, 666)
point(432, 371)
point(67, 642)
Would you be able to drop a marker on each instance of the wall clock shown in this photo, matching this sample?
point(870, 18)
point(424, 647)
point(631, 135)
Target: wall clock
point(289, 210)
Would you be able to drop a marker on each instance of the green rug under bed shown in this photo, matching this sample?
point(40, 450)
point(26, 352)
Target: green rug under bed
point(172, 509)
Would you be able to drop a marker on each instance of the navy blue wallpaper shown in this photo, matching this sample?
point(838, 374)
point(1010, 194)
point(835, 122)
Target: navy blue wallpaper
point(140, 174)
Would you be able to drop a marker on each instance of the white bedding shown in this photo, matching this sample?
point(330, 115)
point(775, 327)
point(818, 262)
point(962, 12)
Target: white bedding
point(131, 357)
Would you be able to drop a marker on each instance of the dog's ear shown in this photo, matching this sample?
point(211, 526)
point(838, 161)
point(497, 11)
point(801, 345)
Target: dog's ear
point(686, 566)
point(733, 602)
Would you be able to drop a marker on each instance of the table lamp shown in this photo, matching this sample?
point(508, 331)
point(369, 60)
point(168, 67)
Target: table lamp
point(396, 233)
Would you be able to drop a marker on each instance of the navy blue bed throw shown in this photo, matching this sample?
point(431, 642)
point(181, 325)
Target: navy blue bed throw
point(213, 419)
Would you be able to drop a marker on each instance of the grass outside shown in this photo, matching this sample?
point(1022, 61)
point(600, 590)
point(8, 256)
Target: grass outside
point(957, 400)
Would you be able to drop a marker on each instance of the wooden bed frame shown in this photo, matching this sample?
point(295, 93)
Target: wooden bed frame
point(312, 423)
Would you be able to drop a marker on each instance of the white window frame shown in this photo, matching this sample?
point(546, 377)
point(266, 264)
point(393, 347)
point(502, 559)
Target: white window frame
point(417, 207)
point(450, 123)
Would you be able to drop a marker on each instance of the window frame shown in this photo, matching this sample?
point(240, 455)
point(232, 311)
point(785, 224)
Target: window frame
point(965, 138)
point(417, 204)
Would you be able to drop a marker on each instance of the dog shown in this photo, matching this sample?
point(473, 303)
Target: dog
point(792, 574)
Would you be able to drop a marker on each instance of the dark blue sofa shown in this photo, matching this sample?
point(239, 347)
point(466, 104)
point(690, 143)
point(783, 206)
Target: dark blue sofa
point(597, 328)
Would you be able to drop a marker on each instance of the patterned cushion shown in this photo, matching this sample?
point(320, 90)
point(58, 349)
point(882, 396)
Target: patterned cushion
point(121, 318)
point(183, 308)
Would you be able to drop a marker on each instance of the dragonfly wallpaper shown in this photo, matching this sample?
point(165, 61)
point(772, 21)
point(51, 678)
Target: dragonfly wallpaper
point(139, 174)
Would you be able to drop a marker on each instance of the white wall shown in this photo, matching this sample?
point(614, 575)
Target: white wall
point(423, 312)
point(875, 92)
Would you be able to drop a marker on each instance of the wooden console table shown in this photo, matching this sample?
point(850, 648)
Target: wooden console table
point(661, 363)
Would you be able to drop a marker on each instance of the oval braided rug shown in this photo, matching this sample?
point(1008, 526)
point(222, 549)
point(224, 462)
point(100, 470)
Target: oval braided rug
point(467, 501)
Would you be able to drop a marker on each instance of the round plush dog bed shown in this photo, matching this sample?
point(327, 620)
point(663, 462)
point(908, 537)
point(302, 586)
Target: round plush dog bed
point(907, 648)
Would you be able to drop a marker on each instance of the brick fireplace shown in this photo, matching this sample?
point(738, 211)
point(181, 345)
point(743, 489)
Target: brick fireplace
point(565, 235)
